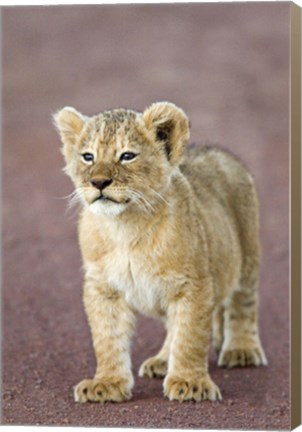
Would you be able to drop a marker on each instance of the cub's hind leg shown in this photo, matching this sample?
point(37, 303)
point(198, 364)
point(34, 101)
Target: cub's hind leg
point(241, 345)
point(157, 366)
point(217, 328)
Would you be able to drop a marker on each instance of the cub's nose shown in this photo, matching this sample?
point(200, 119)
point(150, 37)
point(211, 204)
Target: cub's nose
point(101, 183)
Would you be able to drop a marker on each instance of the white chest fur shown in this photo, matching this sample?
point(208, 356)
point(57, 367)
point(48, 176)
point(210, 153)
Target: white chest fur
point(133, 276)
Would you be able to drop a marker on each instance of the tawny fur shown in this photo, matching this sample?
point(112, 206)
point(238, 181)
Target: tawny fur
point(170, 233)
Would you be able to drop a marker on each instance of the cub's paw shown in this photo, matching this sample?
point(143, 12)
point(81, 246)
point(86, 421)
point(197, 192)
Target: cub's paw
point(242, 353)
point(176, 388)
point(102, 390)
point(153, 368)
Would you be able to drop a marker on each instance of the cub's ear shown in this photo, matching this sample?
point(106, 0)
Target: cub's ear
point(170, 126)
point(69, 123)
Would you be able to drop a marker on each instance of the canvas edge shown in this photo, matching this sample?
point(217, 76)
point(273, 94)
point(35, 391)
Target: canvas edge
point(295, 209)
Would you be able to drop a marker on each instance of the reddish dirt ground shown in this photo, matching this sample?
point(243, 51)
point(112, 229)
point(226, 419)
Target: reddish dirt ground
point(227, 66)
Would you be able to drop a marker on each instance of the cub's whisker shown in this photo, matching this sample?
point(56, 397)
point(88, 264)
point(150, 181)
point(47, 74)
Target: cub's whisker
point(140, 199)
point(159, 195)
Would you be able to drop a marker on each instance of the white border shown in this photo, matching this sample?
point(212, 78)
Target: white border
point(96, 2)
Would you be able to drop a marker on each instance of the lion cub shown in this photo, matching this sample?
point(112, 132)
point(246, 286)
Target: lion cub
point(168, 235)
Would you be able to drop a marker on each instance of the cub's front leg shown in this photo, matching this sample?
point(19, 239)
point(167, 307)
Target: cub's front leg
point(188, 377)
point(111, 322)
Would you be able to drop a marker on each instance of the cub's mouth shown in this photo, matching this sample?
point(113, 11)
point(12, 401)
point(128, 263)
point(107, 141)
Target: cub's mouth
point(105, 198)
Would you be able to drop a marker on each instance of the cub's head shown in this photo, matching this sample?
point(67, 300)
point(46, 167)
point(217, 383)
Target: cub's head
point(121, 159)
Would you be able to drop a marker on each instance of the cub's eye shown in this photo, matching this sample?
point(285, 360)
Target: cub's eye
point(88, 157)
point(127, 156)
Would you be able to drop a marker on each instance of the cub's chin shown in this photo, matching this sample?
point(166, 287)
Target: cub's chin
point(107, 208)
